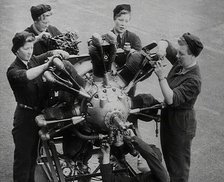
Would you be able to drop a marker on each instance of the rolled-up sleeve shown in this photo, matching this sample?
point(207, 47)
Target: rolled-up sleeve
point(187, 91)
point(17, 75)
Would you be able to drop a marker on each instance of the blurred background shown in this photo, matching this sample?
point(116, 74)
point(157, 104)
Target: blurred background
point(151, 20)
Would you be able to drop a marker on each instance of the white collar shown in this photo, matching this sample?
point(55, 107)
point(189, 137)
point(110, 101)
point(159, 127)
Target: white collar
point(185, 70)
point(119, 34)
point(191, 65)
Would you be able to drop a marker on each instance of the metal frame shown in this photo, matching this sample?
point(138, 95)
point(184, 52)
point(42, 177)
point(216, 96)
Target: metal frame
point(49, 163)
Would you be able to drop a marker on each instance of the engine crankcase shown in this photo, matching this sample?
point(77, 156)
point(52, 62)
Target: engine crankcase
point(107, 102)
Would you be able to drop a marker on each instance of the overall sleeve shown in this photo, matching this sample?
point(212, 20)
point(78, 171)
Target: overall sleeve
point(108, 175)
point(16, 75)
point(137, 44)
point(186, 91)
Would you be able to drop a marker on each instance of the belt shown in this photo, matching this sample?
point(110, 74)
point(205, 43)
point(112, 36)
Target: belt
point(178, 109)
point(27, 107)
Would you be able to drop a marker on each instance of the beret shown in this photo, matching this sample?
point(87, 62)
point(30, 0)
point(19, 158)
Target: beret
point(194, 43)
point(121, 7)
point(20, 39)
point(38, 10)
point(144, 100)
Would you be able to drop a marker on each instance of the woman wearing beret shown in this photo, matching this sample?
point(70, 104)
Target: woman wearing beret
point(122, 16)
point(149, 163)
point(180, 90)
point(24, 76)
point(41, 27)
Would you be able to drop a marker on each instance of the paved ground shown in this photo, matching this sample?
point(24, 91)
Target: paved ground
point(151, 20)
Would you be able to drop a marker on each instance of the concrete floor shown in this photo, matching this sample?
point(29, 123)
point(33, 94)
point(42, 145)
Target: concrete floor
point(151, 20)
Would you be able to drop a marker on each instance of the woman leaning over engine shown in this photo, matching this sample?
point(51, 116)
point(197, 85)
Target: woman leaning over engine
point(24, 76)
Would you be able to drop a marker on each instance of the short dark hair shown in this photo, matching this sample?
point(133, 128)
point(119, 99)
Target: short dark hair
point(20, 39)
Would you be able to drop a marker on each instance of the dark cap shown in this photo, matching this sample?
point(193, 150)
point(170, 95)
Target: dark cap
point(194, 43)
point(141, 101)
point(38, 10)
point(20, 39)
point(121, 7)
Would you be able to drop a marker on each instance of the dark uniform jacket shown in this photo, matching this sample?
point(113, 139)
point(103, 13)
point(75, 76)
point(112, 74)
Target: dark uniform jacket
point(26, 91)
point(157, 173)
point(180, 116)
point(131, 38)
point(135, 43)
point(42, 46)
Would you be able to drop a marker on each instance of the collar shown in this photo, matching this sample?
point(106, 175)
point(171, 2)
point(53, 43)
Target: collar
point(183, 72)
point(24, 62)
point(121, 34)
point(37, 31)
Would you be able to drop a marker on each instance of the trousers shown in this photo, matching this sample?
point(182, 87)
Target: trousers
point(176, 150)
point(25, 136)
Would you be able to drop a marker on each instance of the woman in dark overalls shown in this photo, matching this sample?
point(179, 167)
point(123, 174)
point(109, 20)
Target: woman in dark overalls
point(24, 76)
point(180, 90)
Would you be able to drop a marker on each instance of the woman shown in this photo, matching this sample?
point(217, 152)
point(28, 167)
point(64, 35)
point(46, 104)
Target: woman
point(122, 17)
point(24, 76)
point(150, 153)
point(41, 27)
point(180, 90)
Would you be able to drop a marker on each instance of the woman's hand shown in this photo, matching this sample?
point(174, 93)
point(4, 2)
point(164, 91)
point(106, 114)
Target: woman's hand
point(61, 53)
point(43, 35)
point(129, 135)
point(105, 148)
point(165, 88)
point(159, 70)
